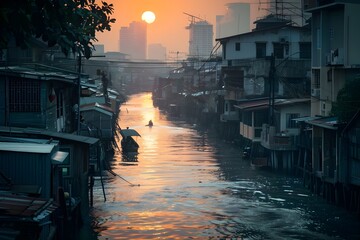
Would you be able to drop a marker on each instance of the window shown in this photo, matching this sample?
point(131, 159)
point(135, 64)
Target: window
point(24, 95)
point(305, 50)
point(289, 122)
point(329, 75)
point(65, 167)
point(261, 50)
point(278, 50)
point(237, 46)
point(316, 78)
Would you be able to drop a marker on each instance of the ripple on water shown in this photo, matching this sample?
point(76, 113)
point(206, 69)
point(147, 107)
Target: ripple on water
point(193, 186)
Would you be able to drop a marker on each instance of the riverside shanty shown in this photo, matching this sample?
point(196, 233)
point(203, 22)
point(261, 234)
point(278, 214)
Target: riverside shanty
point(50, 149)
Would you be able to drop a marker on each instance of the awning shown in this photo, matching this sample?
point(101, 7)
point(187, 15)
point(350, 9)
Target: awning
point(326, 122)
point(59, 157)
point(129, 133)
point(254, 104)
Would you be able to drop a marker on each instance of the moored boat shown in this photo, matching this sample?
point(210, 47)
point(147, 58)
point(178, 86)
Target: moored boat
point(128, 143)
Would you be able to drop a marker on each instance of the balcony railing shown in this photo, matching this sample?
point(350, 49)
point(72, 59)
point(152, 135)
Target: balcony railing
point(249, 132)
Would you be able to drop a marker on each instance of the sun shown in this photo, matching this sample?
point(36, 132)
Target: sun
point(148, 16)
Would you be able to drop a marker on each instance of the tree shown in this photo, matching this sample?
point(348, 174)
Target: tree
point(72, 24)
point(347, 101)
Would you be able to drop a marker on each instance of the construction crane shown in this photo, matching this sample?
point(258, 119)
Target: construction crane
point(192, 21)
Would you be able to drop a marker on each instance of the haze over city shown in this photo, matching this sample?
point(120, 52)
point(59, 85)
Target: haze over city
point(169, 119)
point(169, 27)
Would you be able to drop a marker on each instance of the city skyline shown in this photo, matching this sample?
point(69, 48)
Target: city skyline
point(172, 34)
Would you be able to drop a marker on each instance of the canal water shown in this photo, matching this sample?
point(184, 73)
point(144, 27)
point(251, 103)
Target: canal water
point(187, 184)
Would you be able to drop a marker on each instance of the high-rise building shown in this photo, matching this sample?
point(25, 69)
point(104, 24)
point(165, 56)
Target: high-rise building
point(235, 21)
point(133, 40)
point(156, 51)
point(200, 39)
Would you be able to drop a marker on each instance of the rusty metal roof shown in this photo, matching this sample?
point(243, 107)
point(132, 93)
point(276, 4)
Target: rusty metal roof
point(25, 208)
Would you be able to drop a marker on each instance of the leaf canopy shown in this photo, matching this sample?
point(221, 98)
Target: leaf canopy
point(72, 24)
point(347, 101)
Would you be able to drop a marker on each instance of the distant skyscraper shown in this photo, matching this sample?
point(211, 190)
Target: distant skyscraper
point(235, 21)
point(156, 51)
point(200, 39)
point(133, 40)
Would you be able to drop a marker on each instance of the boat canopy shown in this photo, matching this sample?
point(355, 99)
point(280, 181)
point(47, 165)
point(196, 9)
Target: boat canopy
point(129, 133)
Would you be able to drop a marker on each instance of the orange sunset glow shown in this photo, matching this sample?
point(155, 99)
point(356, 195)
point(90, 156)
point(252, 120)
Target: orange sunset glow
point(169, 28)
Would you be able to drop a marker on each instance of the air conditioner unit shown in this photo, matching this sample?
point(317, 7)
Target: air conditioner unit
point(336, 57)
point(315, 92)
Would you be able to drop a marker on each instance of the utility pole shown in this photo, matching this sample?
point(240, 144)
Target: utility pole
point(272, 89)
point(78, 95)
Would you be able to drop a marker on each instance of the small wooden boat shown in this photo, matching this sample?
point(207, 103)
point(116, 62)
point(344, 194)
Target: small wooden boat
point(150, 124)
point(128, 143)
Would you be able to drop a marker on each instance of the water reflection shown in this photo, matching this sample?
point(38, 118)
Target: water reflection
point(188, 184)
point(129, 157)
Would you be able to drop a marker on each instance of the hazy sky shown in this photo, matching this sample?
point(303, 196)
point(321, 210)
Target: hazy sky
point(169, 26)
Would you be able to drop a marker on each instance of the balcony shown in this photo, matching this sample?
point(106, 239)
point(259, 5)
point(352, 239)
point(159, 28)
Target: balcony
point(250, 132)
point(277, 141)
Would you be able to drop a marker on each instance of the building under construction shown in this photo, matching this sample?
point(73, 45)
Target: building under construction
point(200, 37)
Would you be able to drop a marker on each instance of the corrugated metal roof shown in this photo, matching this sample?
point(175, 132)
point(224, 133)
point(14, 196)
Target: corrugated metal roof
point(92, 100)
point(23, 140)
point(129, 132)
point(42, 132)
point(26, 147)
point(263, 103)
point(25, 208)
point(252, 104)
point(97, 107)
point(326, 122)
point(35, 73)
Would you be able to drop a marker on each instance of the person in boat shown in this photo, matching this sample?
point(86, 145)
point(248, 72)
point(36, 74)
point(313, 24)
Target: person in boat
point(150, 123)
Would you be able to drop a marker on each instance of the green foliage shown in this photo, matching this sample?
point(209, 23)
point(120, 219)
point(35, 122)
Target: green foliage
point(347, 101)
point(72, 24)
